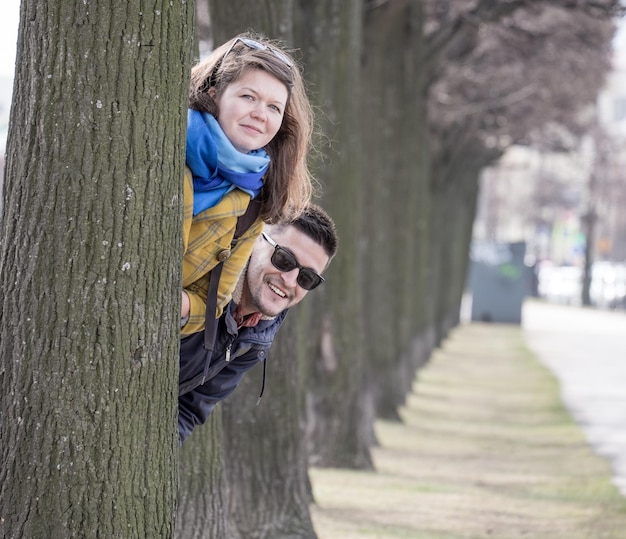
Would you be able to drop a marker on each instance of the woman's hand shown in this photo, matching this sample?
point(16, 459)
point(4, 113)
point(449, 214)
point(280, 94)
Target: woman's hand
point(184, 308)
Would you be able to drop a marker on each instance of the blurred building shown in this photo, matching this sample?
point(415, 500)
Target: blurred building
point(534, 197)
point(548, 201)
point(612, 102)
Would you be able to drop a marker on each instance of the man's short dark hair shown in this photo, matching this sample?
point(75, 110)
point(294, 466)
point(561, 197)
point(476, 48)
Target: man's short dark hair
point(317, 225)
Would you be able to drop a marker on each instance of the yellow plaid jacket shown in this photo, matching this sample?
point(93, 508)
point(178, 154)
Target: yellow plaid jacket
point(204, 237)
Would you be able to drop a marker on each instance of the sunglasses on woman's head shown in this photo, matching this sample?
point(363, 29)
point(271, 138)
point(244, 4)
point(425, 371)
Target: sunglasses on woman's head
point(257, 45)
point(284, 260)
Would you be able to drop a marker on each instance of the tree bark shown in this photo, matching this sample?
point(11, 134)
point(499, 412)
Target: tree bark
point(330, 34)
point(90, 299)
point(383, 66)
point(203, 489)
point(266, 461)
point(396, 257)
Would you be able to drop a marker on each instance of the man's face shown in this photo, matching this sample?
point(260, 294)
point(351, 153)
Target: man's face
point(270, 290)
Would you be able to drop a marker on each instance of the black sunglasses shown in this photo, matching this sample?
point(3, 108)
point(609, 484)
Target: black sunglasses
point(284, 260)
point(253, 44)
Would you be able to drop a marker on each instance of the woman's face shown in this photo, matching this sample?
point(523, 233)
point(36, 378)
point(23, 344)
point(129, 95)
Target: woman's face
point(251, 109)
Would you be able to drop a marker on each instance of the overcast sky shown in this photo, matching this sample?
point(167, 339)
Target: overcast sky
point(9, 19)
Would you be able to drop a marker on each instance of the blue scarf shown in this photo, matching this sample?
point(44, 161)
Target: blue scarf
point(217, 166)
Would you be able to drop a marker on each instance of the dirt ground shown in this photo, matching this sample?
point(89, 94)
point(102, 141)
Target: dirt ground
point(485, 450)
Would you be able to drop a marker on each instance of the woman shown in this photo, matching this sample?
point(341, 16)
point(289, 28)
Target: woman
point(249, 132)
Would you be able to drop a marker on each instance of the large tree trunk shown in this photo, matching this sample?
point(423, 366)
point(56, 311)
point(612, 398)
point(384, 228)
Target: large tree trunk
point(455, 187)
point(413, 219)
point(90, 297)
point(266, 462)
point(330, 33)
point(266, 492)
point(397, 154)
point(203, 490)
point(383, 67)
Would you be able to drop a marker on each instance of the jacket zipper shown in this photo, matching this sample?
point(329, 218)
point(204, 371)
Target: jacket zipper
point(227, 357)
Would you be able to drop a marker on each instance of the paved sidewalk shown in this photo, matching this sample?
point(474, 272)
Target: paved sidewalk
point(486, 449)
point(586, 350)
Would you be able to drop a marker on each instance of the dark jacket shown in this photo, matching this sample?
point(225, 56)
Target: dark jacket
point(205, 379)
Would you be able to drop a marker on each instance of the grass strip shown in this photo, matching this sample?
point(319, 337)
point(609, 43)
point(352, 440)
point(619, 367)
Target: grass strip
point(485, 450)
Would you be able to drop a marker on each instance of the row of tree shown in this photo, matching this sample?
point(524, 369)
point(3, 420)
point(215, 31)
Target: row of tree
point(414, 98)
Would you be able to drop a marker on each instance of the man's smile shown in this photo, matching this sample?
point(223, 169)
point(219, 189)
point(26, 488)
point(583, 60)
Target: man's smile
point(277, 290)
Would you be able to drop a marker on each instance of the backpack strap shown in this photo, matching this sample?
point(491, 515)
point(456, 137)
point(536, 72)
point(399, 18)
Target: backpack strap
point(244, 222)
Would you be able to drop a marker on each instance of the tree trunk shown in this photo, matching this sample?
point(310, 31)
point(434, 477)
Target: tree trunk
point(203, 488)
point(589, 222)
point(273, 18)
point(330, 33)
point(455, 187)
point(90, 298)
point(397, 198)
point(266, 461)
point(382, 69)
point(266, 491)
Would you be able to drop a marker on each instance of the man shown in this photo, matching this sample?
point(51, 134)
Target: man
point(286, 262)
